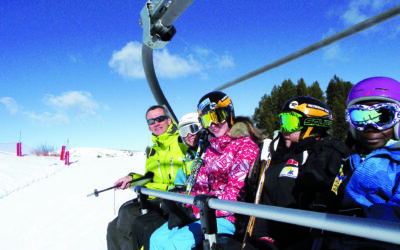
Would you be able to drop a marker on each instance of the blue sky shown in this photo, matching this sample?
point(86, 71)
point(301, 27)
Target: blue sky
point(71, 71)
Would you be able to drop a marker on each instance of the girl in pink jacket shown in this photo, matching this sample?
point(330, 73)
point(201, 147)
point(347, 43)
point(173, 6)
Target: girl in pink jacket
point(228, 159)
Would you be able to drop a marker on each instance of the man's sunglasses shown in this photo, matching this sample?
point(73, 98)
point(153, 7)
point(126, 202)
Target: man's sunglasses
point(160, 118)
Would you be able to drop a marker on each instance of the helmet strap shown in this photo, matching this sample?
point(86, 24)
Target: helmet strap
point(307, 133)
point(352, 131)
point(396, 131)
point(231, 118)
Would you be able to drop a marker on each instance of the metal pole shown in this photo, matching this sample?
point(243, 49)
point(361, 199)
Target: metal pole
point(176, 9)
point(148, 66)
point(187, 199)
point(361, 227)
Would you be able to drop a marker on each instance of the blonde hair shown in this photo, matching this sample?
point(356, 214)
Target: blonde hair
point(252, 131)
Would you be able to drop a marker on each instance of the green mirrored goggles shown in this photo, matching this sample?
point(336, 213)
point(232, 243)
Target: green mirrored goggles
point(290, 122)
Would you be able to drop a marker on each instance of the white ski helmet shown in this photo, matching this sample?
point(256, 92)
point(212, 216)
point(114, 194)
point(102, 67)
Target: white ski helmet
point(189, 119)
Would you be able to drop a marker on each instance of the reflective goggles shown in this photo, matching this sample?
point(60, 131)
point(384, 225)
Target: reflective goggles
point(160, 118)
point(216, 116)
point(189, 129)
point(290, 122)
point(382, 115)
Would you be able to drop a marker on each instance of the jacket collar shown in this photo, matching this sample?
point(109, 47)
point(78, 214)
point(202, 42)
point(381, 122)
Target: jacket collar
point(219, 143)
point(168, 137)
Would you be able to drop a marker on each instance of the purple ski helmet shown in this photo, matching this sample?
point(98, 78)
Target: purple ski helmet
point(375, 88)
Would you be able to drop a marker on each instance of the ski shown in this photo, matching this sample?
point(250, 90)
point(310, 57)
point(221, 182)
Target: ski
point(250, 225)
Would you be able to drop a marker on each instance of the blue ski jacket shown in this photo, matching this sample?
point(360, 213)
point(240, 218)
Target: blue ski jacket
point(374, 183)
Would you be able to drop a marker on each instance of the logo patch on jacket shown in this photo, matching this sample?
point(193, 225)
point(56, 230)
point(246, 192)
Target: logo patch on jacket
point(292, 162)
point(290, 172)
point(338, 180)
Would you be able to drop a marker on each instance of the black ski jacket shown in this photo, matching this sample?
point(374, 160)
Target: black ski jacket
point(301, 177)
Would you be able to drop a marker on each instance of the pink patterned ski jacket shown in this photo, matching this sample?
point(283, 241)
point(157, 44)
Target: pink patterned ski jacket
point(226, 164)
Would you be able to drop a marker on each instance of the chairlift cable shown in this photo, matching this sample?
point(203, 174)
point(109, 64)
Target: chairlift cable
point(318, 45)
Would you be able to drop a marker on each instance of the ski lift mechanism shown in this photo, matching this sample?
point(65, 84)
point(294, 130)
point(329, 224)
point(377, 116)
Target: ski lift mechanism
point(155, 34)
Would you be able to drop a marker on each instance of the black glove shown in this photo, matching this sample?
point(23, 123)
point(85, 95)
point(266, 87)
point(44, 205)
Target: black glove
point(178, 214)
point(177, 189)
point(180, 217)
point(204, 135)
point(168, 205)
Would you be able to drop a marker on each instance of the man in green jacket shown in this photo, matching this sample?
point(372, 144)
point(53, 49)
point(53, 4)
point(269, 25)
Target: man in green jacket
point(164, 159)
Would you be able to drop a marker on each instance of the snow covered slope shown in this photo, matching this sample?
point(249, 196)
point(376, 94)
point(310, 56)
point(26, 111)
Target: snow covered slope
point(44, 204)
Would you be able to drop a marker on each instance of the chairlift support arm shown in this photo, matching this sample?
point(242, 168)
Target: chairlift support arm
point(157, 18)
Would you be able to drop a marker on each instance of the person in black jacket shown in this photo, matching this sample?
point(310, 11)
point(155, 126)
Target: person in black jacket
point(304, 173)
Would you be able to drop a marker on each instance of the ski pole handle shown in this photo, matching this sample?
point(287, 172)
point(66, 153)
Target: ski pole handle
point(148, 176)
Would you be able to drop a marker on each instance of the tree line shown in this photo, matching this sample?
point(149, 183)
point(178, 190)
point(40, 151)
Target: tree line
point(266, 114)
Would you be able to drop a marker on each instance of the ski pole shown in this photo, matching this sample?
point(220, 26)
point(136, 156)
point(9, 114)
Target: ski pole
point(148, 176)
point(96, 192)
point(198, 162)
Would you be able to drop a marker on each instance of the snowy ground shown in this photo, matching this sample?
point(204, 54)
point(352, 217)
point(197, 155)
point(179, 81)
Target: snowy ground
point(44, 204)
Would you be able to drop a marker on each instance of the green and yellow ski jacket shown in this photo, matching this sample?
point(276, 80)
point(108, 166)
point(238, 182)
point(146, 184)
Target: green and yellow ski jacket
point(164, 159)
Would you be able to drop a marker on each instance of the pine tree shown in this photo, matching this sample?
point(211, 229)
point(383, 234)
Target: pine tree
point(301, 88)
point(264, 116)
point(315, 91)
point(336, 94)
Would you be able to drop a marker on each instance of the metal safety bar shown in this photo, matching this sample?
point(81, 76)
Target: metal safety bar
point(187, 199)
point(355, 226)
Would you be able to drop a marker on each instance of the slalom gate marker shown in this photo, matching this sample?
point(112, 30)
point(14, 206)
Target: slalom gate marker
point(62, 155)
point(19, 149)
point(67, 158)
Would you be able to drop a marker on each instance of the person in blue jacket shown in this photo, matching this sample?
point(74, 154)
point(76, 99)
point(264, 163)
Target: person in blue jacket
point(189, 128)
point(373, 114)
point(372, 177)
